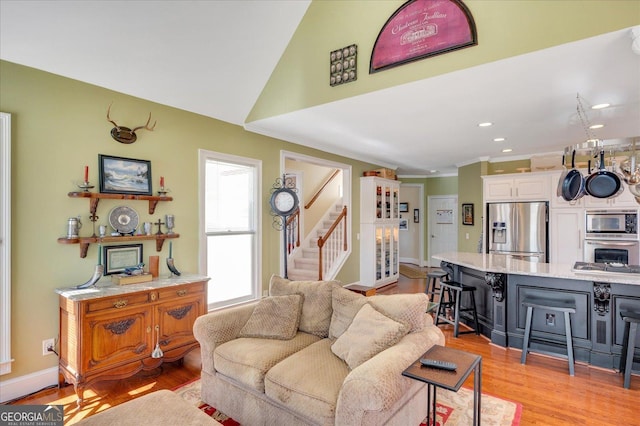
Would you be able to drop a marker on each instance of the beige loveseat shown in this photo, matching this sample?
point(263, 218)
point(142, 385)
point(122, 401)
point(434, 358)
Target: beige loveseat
point(314, 353)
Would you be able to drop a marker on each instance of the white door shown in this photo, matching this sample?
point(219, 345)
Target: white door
point(443, 225)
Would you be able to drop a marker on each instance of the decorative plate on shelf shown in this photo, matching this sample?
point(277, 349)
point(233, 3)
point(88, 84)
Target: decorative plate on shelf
point(123, 219)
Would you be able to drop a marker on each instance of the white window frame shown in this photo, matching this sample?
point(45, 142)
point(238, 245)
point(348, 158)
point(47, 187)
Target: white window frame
point(203, 156)
point(5, 243)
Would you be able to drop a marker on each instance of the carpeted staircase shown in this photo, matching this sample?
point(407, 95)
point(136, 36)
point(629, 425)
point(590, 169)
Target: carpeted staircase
point(303, 262)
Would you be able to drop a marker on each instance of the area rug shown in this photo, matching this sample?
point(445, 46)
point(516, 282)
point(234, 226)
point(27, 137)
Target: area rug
point(412, 271)
point(452, 408)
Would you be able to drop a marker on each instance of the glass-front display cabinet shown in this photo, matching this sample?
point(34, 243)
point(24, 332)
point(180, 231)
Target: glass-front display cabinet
point(379, 225)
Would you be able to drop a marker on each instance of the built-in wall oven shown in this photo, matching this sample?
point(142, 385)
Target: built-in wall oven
point(611, 236)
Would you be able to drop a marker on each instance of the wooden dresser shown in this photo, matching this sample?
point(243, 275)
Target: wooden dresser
point(109, 332)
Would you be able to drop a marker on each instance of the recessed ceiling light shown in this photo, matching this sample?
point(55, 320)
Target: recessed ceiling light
point(498, 139)
point(596, 126)
point(433, 171)
point(507, 150)
point(487, 124)
point(600, 106)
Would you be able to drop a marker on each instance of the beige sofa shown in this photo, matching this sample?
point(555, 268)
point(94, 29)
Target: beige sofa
point(314, 353)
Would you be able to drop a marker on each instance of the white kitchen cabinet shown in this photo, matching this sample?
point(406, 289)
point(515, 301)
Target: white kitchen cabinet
point(517, 188)
point(624, 200)
point(379, 226)
point(566, 235)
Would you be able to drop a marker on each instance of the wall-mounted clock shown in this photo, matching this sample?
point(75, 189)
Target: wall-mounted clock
point(284, 201)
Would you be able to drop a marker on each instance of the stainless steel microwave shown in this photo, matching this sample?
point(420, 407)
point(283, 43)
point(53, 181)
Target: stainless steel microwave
point(612, 224)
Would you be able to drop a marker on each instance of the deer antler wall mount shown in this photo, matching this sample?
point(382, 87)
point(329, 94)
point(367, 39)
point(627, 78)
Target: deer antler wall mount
point(124, 134)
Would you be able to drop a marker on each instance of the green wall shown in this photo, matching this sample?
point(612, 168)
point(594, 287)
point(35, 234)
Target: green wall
point(505, 167)
point(470, 191)
point(505, 28)
point(58, 126)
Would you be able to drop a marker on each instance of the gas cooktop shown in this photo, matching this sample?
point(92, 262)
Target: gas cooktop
point(619, 268)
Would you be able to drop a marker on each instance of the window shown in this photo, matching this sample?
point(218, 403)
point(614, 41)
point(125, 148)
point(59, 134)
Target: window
point(229, 223)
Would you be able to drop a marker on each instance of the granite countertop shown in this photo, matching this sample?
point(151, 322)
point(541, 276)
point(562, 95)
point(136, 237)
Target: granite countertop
point(105, 287)
point(504, 264)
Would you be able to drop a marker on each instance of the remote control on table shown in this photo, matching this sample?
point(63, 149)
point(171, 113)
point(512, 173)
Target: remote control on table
point(434, 363)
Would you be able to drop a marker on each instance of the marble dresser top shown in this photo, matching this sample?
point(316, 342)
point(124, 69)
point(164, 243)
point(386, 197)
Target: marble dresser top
point(105, 287)
point(504, 264)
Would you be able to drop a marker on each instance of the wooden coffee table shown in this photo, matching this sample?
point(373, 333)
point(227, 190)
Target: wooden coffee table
point(451, 380)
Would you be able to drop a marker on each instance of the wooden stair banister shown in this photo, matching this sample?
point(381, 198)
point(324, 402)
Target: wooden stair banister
point(322, 240)
point(293, 219)
point(317, 194)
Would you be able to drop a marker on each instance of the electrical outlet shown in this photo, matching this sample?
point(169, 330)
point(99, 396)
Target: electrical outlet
point(46, 344)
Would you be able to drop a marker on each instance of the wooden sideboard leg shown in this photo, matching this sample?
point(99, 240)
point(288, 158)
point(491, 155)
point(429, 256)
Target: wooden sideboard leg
point(80, 393)
point(61, 380)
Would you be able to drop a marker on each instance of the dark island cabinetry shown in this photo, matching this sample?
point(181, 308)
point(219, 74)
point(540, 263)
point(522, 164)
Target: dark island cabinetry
point(501, 286)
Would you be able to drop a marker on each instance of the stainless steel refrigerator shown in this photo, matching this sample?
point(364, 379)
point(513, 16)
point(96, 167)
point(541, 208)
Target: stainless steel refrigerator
point(519, 230)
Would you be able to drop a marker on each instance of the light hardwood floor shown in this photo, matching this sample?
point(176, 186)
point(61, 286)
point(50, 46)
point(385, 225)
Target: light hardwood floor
point(548, 394)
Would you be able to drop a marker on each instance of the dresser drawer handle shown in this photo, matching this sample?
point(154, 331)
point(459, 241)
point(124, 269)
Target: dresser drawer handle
point(181, 293)
point(120, 304)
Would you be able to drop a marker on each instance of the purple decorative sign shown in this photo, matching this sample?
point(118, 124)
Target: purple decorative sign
point(422, 28)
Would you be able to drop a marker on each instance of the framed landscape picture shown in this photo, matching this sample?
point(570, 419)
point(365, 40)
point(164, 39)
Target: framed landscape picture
point(119, 175)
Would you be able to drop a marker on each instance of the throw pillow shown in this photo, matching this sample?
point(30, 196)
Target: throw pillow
point(370, 333)
point(345, 304)
point(316, 307)
point(275, 317)
point(409, 308)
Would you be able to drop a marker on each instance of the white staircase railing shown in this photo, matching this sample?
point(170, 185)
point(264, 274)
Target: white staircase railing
point(332, 244)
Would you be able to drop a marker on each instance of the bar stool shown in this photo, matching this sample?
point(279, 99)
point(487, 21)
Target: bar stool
point(631, 321)
point(432, 278)
point(549, 305)
point(454, 291)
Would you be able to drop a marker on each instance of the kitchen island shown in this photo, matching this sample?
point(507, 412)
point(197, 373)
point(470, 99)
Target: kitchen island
point(502, 283)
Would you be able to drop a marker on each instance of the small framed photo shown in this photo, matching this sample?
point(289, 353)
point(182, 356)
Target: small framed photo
point(118, 258)
point(416, 216)
point(120, 175)
point(404, 207)
point(404, 225)
point(467, 214)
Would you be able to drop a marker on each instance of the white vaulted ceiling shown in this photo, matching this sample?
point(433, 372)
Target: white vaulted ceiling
point(214, 58)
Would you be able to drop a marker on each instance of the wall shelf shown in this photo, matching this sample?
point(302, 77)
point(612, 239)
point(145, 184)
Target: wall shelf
point(94, 198)
point(85, 242)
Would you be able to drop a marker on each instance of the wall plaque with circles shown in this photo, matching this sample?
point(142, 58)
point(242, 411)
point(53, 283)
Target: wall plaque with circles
point(123, 219)
point(343, 65)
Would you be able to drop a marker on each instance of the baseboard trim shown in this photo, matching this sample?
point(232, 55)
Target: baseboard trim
point(27, 384)
point(410, 260)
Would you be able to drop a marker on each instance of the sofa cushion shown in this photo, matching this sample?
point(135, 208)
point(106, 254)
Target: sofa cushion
point(247, 359)
point(308, 382)
point(316, 307)
point(345, 304)
point(370, 332)
point(274, 317)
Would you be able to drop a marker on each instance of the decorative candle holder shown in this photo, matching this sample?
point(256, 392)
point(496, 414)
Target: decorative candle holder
point(163, 191)
point(85, 186)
